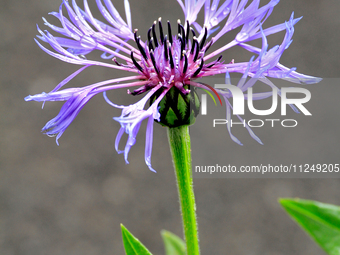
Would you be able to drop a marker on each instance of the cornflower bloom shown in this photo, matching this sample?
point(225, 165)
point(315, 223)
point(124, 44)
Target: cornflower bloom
point(166, 65)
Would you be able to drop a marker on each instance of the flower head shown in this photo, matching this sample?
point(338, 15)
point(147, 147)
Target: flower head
point(167, 63)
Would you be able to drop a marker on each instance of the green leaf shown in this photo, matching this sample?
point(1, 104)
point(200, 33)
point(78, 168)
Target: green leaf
point(132, 245)
point(321, 221)
point(174, 245)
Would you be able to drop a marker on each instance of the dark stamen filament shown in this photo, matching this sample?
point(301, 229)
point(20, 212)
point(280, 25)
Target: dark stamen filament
point(117, 63)
point(171, 59)
point(141, 49)
point(193, 32)
point(185, 68)
point(135, 34)
point(182, 42)
point(215, 62)
point(154, 34)
point(154, 62)
point(169, 32)
point(150, 44)
point(179, 27)
point(161, 35)
point(149, 34)
point(197, 51)
point(199, 69)
point(165, 48)
point(181, 31)
point(204, 37)
point(135, 63)
point(187, 34)
point(194, 42)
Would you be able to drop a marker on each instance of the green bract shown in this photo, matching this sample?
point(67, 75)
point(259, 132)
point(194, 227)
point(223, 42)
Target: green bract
point(177, 109)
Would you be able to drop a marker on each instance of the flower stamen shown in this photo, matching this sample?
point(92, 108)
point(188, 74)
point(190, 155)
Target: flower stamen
point(204, 37)
point(136, 63)
point(154, 34)
point(169, 32)
point(161, 35)
point(199, 69)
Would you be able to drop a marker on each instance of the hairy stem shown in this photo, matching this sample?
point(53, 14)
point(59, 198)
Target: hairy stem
point(179, 141)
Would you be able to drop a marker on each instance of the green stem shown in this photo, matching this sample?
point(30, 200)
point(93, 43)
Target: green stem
point(179, 141)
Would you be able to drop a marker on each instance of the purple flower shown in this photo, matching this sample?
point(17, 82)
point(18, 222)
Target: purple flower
point(164, 60)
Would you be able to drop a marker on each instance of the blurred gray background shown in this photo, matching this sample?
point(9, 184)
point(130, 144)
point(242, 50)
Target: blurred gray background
point(70, 199)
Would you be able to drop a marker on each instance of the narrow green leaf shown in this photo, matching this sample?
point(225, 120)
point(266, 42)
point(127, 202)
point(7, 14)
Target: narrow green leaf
point(321, 221)
point(174, 245)
point(132, 245)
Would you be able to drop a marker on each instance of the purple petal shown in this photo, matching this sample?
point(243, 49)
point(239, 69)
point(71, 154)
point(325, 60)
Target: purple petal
point(148, 143)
